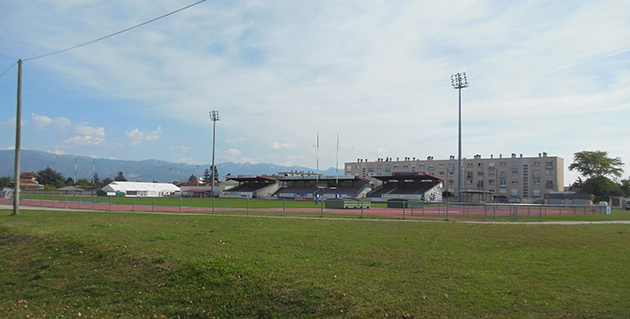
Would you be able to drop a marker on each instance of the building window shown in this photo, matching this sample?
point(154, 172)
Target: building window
point(451, 173)
point(502, 182)
point(549, 182)
point(491, 173)
point(431, 166)
point(514, 172)
point(480, 164)
point(405, 165)
point(491, 164)
point(421, 165)
point(469, 164)
point(514, 181)
point(349, 168)
point(387, 168)
point(549, 165)
point(503, 174)
point(441, 165)
point(514, 164)
point(491, 181)
point(469, 174)
point(441, 173)
point(502, 164)
point(536, 163)
point(451, 166)
point(379, 166)
point(371, 168)
point(514, 192)
point(536, 173)
point(536, 181)
point(395, 166)
point(536, 192)
point(480, 173)
point(549, 172)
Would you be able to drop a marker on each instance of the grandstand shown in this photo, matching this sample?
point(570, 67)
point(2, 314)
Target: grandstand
point(411, 185)
point(311, 186)
point(251, 186)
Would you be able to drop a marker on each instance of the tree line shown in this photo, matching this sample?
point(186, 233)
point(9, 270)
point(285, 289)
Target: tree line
point(52, 179)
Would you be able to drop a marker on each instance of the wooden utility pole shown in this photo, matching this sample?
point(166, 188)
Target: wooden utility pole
point(18, 137)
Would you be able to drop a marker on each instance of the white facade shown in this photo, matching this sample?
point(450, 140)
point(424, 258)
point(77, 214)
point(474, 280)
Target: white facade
point(140, 189)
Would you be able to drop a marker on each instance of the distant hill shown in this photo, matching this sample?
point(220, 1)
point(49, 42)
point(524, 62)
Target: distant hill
point(145, 171)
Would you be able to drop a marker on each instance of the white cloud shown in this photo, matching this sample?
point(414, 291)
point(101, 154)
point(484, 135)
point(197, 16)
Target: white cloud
point(275, 146)
point(61, 123)
point(41, 121)
point(233, 152)
point(137, 136)
point(81, 141)
point(90, 131)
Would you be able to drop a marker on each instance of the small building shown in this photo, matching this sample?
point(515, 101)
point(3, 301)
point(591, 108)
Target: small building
point(569, 199)
point(140, 189)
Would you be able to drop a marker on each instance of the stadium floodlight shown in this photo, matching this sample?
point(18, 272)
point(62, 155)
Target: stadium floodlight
point(459, 82)
point(214, 116)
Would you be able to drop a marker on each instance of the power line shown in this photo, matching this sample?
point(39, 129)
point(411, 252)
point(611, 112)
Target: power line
point(117, 33)
point(11, 67)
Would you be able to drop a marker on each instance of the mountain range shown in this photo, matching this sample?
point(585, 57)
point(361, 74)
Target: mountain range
point(144, 171)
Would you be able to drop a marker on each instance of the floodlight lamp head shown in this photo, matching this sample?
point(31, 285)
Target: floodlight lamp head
point(214, 116)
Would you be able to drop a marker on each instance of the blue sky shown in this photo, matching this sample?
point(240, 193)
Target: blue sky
point(545, 76)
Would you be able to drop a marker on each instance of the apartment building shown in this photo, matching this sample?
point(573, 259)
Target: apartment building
point(512, 179)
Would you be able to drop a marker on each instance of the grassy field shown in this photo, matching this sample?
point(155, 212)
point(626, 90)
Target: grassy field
point(107, 265)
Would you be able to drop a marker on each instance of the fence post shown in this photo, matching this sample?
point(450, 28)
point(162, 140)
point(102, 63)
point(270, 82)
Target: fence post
point(248, 207)
point(41, 201)
point(53, 201)
point(152, 204)
point(79, 203)
point(66, 202)
point(110, 204)
point(133, 204)
point(494, 211)
point(540, 212)
point(515, 213)
point(284, 207)
point(404, 205)
point(361, 209)
point(212, 205)
point(322, 208)
point(446, 211)
point(93, 202)
point(485, 214)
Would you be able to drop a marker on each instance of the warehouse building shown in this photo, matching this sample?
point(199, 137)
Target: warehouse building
point(139, 189)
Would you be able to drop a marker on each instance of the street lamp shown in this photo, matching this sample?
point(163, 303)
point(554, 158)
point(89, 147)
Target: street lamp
point(214, 116)
point(459, 82)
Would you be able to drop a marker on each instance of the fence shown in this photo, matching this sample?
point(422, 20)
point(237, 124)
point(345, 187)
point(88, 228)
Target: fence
point(259, 207)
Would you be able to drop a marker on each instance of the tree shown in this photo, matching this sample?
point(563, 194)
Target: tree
point(602, 188)
point(5, 182)
point(69, 181)
point(192, 178)
point(106, 181)
point(120, 177)
point(591, 164)
point(207, 175)
point(97, 181)
point(83, 183)
point(50, 177)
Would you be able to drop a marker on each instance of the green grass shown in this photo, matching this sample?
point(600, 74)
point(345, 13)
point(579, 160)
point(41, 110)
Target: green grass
point(108, 265)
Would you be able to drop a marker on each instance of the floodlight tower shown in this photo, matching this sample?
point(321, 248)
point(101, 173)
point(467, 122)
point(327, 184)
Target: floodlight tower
point(214, 116)
point(459, 82)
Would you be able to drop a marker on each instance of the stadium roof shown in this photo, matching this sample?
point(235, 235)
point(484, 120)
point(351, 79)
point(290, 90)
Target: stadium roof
point(400, 176)
point(252, 179)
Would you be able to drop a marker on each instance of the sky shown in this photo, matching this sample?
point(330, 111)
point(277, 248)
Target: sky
point(544, 76)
